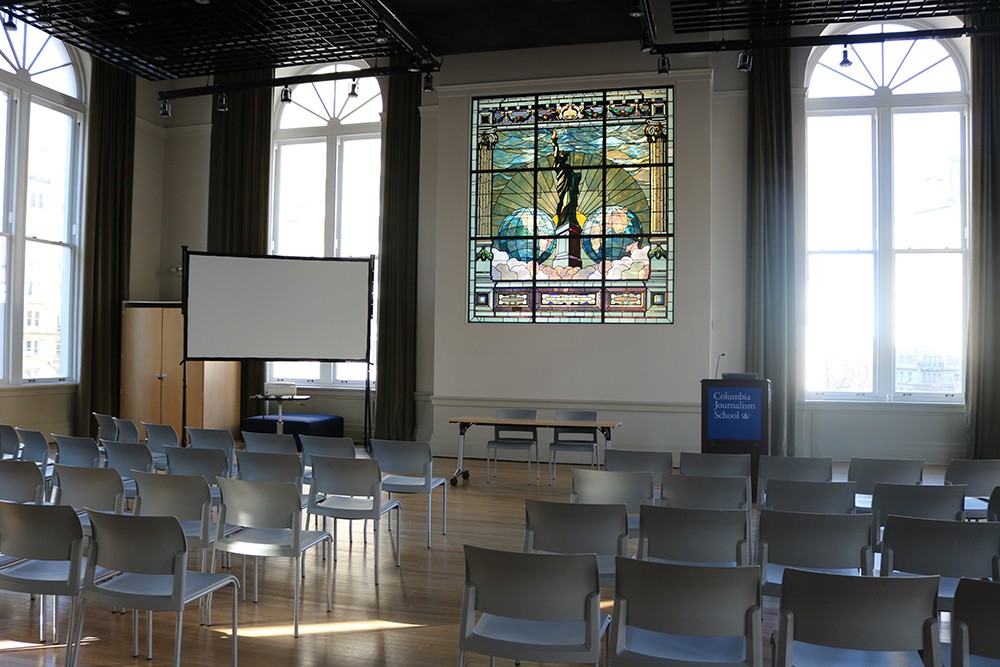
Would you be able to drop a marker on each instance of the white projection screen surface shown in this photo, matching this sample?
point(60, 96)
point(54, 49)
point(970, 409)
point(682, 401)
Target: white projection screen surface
point(276, 308)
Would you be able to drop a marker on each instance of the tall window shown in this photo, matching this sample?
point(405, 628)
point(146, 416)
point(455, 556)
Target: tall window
point(327, 178)
point(886, 221)
point(40, 145)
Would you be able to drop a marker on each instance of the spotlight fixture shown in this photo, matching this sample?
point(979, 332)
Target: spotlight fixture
point(428, 82)
point(636, 11)
point(663, 66)
point(222, 103)
point(845, 61)
point(286, 95)
point(744, 62)
point(123, 9)
point(8, 21)
point(380, 36)
point(353, 92)
point(414, 66)
point(165, 108)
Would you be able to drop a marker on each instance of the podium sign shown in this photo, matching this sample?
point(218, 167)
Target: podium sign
point(735, 419)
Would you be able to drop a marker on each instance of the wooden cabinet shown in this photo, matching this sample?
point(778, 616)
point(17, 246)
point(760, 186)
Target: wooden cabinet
point(152, 386)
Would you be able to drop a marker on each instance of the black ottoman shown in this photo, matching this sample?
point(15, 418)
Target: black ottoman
point(296, 424)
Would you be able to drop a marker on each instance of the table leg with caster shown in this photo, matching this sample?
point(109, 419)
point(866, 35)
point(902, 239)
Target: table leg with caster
point(462, 428)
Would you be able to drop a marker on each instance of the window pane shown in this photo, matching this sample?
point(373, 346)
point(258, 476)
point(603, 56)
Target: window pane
point(840, 327)
point(359, 197)
point(929, 314)
point(301, 184)
point(47, 269)
point(295, 370)
point(927, 180)
point(3, 307)
point(840, 180)
point(927, 68)
point(48, 194)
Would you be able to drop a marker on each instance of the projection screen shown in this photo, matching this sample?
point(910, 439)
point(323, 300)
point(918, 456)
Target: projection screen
point(277, 308)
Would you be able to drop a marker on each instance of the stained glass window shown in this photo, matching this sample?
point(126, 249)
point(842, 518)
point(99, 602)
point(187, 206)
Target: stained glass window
point(571, 210)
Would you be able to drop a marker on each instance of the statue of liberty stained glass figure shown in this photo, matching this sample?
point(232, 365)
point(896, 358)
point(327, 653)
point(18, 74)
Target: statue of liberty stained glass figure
point(568, 192)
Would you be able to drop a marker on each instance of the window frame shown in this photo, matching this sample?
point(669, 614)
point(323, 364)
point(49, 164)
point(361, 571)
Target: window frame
point(883, 107)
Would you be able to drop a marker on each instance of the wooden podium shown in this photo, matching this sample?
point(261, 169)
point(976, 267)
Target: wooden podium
point(736, 419)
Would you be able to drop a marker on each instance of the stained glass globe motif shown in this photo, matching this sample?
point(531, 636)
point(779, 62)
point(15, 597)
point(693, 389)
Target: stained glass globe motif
point(516, 234)
point(621, 222)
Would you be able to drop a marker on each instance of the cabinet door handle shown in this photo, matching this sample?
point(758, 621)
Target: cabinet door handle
point(161, 376)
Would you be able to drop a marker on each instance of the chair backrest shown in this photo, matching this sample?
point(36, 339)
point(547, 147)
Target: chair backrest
point(800, 496)
point(688, 599)
point(867, 472)
point(515, 431)
point(186, 497)
point(260, 504)
point(980, 476)
point(106, 427)
point(402, 457)
point(802, 468)
point(583, 434)
point(993, 505)
point(128, 456)
point(604, 486)
point(127, 430)
point(697, 492)
point(209, 463)
point(864, 613)
point(93, 488)
point(214, 438)
point(632, 460)
point(36, 445)
point(138, 544)
point(715, 465)
point(75, 450)
point(159, 436)
point(541, 587)
point(10, 444)
point(917, 500)
point(693, 535)
point(346, 477)
point(818, 541)
point(269, 443)
point(43, 532)
point(569, 528)
point(933, 546)
point(974, 619)
point(322, 445)
point(270, 467)
point(21, 481)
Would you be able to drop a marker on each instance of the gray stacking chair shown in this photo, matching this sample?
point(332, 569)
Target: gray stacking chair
point(10, 444)
point(682, 535)
point(633, 460)
point(892, 619)
point(527, 606)
point(322, 445)
point(150, 555)
point(573, 438)
point(569, 528)
point(106, 427)
point(350, 489)
point(36, 449)
point(186, 497)
point(867, 472)
point(75, 450)
point(974, 620)
point(127, 431)
point(270, 467)
point(513, 437)
point(818, 497)
point(951, 549)
point(208, 463)
point(631, 489)
point(711, 493)
point(21, 482)
point(126, 457)
point(159, 436)
point(800, 468)
point(837, 543)
point(269, 443)
point(98, 489)
point(980, 477)
point(214, 438)
point(917, 500)
point(673, 614)
point(408, 467)
point(714, 465)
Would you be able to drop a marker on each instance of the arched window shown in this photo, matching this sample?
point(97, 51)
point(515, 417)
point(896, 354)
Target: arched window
point(887, 166)
point(41, 117)
point(327, 179)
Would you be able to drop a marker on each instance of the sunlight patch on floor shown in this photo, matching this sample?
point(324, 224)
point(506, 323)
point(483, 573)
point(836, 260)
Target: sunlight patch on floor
point(318, 628)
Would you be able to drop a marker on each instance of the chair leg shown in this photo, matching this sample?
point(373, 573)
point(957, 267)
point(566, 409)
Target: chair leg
point(444, 509)
point(295, 602)
point(135, 633)
point(256, 580)
point(71, 630)
point(177, 638)
point(397, 535)
point(78, 630)
point(428, 520)
point(235, 628)
point(329, 586)
point(375, 523)
point(41, 618)
point(149, 634)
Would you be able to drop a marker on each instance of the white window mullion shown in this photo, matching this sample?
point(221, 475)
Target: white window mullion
point(884, 256)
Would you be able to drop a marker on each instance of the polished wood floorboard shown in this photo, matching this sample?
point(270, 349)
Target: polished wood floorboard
point(410, 619)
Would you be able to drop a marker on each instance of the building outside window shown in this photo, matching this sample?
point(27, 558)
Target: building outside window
point(41, 136)
point(326, 190)
point(886, 221)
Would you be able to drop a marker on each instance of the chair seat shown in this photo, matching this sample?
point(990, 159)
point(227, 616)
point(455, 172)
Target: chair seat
point(974, 660)
point(718, 651)
point(511, 443)
point(350, 507)
point(408, 484)
point(810, 655)
point(557, 636)
point(569, 445)
point(269, 541)
point(31, 573)
point(146, 586)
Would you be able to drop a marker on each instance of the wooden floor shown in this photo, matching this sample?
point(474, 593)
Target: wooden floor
point(410, 619)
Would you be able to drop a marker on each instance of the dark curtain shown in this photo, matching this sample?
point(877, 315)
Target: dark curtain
point(982, 384)
point(238, 188)
point(771, 326)
point(397, 314)
point(107, 239)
